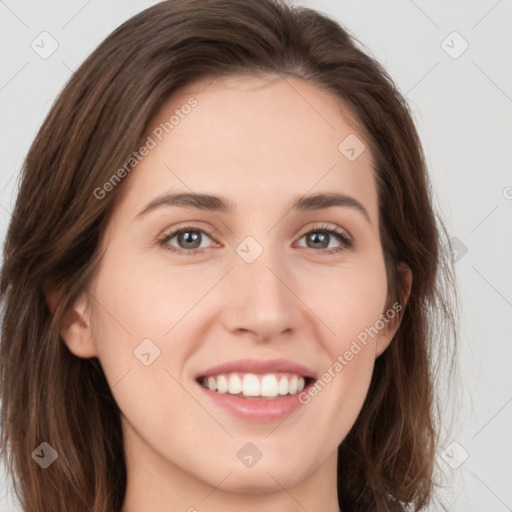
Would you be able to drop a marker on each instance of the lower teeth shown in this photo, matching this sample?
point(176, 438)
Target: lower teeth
point(241, 395)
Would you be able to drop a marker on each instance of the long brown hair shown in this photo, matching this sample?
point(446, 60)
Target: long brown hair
point(387, 460)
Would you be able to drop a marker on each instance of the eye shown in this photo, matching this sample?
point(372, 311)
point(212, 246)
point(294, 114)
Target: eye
point(320, 236)
point(190, 238)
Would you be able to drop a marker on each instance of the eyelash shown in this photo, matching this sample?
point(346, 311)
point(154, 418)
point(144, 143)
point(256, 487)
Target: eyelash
point(347, 242)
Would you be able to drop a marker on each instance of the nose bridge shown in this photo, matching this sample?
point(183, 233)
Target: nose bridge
point(260, 267)
point(261, 295)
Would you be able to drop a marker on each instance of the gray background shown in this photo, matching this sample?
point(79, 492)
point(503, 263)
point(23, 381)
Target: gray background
point(463, 110)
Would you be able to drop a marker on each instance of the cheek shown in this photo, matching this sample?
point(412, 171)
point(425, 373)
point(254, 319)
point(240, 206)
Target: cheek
point(132, 324)
point(350, 387)
point(132, 311)
point(144, 300)
point(350, 303)
point(353, 308)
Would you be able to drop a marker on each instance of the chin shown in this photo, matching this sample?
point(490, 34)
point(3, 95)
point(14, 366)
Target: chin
point(258, 481)
point(269, 475)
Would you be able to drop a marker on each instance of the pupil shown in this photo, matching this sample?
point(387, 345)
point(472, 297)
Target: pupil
point(322, 237)
point(187, 235)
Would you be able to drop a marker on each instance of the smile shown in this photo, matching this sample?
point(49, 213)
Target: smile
point(250, 385)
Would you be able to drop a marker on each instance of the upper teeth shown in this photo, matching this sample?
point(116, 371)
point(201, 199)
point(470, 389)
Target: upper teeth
point(250, 384)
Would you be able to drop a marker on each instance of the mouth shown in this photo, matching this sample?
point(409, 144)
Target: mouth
point(257, 390)
point(252, 386)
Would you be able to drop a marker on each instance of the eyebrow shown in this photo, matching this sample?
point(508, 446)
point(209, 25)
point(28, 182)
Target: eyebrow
point(313, 202)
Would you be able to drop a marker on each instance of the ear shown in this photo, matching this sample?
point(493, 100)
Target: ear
point(75, 328)
point(387, 333)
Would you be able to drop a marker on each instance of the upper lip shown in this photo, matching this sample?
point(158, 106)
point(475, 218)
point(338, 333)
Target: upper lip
point(260, 366)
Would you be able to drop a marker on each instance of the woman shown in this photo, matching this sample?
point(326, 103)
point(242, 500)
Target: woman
point(284, 359)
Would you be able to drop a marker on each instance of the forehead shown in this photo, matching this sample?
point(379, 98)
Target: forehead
point(256, 140)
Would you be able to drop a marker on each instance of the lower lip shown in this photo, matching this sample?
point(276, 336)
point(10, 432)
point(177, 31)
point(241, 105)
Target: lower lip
point(254, 409)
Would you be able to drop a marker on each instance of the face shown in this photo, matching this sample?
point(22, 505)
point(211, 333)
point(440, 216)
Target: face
point(280, 294)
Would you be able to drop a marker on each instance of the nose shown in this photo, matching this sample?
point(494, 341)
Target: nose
point(259, 299)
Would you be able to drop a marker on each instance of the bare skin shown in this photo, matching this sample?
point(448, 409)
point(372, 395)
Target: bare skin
point(261, 144)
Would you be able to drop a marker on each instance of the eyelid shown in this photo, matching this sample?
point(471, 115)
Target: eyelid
point(170, 233)
point(345, 237)
point(323, 226)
